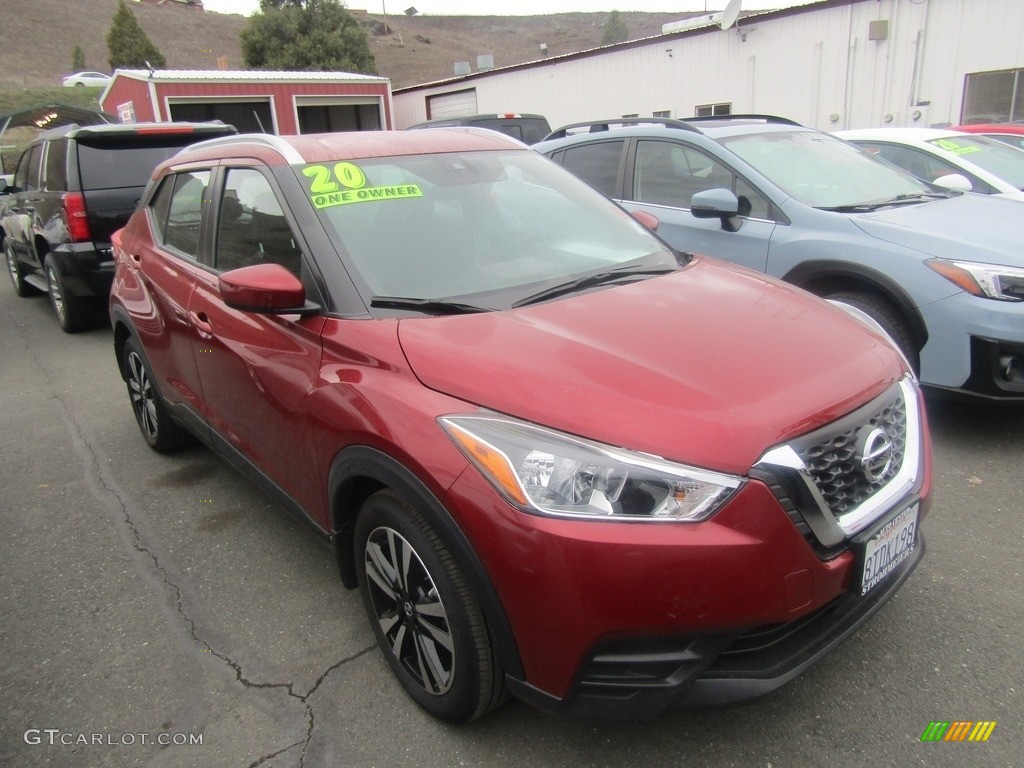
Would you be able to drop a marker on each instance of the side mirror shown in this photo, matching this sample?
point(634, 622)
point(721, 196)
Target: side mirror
point(718, 203)
point(267, 289)
point(649, 220)
point(954, 181)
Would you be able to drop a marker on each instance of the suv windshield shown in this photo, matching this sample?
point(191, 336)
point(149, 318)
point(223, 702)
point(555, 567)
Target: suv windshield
point(997, 158)
point(498, 226)
point(823, 171)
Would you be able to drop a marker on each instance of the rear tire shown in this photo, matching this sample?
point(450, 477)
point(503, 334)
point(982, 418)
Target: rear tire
point(425, 617)
point(73, 312)
point(17, 272)
point(885, 313)
point(161, 432)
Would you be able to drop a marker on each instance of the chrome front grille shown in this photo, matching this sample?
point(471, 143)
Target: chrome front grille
point(837, 480)
point(834, 462)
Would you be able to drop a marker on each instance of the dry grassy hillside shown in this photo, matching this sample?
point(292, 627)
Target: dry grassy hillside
point(37, 38)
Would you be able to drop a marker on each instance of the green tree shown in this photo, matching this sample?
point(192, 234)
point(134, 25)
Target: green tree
point(128, 44)
point(311, 35)
point(615, 29)
point(77, 59)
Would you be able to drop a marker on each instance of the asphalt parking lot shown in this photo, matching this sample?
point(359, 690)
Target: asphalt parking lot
point(149, 599)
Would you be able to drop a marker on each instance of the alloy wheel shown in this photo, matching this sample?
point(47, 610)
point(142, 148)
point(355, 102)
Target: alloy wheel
point(12, 265)
point(56, 294)
point(141, 391)
point(409, 610)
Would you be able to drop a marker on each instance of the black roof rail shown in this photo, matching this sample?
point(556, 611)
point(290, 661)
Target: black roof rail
point(596, 126)
point(726, 118)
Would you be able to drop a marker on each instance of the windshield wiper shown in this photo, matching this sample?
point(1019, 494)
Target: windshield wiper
point(428, 306)
point(590, 281)
point(904, 199)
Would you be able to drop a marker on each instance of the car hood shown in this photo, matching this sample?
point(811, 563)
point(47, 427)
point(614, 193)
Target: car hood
point(710, 365)
point(966, 228)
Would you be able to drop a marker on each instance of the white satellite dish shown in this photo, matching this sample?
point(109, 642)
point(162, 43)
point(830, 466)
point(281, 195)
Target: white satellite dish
point(730, 14)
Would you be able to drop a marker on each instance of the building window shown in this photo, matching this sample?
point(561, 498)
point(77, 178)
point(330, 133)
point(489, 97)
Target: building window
point(993, 97)
point(634, 114)
point(712, 110)
point(662, 113)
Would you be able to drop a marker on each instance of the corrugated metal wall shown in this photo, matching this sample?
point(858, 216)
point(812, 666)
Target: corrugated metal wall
point(815, 65)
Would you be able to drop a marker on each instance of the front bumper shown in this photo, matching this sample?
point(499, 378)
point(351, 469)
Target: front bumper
point(975, 347)
point(641, 678)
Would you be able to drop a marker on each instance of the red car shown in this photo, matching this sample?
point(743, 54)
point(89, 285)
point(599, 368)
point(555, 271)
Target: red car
point(559, 458)
point(1008, 133)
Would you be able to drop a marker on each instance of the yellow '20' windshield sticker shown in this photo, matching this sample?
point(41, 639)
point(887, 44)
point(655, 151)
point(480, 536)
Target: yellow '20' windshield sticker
point(346, 183)
point(957, 149)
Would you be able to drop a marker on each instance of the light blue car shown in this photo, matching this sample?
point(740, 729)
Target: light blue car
point(942, 272)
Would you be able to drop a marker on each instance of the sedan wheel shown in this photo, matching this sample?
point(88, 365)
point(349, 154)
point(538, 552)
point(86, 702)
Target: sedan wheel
point(423, 613)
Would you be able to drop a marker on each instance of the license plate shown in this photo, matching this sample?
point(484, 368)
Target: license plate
point(883, 552)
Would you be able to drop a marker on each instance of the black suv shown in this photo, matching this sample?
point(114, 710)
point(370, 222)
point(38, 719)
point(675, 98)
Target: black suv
point(74, 186)
point(529, 129)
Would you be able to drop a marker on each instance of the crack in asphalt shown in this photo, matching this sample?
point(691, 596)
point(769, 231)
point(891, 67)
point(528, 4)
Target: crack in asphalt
point(103, 490)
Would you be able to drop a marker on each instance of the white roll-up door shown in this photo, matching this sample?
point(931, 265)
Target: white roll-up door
point(452, 104)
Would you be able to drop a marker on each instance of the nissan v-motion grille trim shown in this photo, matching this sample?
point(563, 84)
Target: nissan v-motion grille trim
point(841, 478)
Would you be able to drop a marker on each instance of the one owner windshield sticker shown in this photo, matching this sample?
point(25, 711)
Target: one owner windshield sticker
point(957, 149)
point(346, 183)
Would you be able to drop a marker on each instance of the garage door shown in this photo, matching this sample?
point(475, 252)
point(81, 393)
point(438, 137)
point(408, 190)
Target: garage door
point(451, 104)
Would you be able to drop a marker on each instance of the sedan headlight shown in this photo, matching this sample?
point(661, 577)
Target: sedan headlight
point(986, 280)
point(542, 471)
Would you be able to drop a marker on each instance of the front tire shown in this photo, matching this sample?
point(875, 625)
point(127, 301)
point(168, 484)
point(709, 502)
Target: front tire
point(160, 431)
point(17, 272)
point(886, 315)
point(423, 613)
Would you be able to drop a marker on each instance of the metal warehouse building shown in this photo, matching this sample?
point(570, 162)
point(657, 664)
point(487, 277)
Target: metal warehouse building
point(253, 101)
point(830, 64)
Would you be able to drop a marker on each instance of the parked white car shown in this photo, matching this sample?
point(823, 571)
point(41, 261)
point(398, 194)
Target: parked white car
point(951, 159)
point(86, 79)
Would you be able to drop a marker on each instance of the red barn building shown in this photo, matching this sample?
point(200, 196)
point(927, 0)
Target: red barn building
point(254, 101)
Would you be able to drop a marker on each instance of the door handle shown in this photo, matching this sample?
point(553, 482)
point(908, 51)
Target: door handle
point(201, 322)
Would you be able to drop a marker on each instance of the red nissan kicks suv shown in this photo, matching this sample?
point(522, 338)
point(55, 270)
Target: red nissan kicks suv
point(558, 458)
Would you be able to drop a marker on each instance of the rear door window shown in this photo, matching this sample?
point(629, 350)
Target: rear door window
point(55, 179)
point(597, 164)
point(177, 210)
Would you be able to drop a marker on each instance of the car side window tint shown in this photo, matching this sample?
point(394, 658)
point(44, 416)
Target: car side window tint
point(21, 174)
point(159, 206)
point(669, 173)
point(752, 202)
point(35, 161)
point(184, 215)
point(251, 225)
point(56, 178)
point(597, 163)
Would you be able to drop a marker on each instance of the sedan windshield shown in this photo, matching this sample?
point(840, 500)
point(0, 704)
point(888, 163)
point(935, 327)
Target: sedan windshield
point(823, 171)
point(997, 158)
point(490, 228)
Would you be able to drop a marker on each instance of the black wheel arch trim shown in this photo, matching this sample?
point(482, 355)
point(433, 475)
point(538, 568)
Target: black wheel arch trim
point(358, 465)
point(825, 277)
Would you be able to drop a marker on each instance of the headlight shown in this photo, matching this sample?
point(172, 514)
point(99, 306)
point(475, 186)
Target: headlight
point(987, 280)
point(543, 471)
